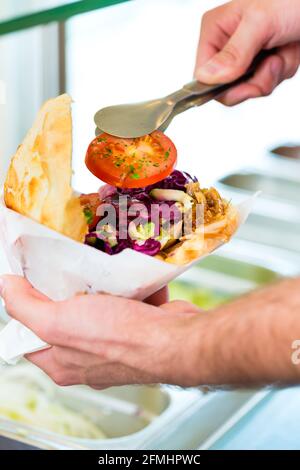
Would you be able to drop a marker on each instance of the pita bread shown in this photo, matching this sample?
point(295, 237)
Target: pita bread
point(38, 183)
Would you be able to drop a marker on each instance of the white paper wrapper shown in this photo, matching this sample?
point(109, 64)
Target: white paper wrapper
point(60, 268)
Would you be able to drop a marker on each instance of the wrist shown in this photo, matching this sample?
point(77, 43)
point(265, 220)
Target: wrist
point(203, 349)
point(193, 363)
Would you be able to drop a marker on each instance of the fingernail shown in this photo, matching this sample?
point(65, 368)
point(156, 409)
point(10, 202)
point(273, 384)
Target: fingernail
point(1, 286)
point(209, 69)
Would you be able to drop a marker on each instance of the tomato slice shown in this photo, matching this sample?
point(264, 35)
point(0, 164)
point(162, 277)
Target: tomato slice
point(131, 163)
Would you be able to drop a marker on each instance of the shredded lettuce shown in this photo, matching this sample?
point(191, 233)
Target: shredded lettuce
point(142, 231)
point(28, 402)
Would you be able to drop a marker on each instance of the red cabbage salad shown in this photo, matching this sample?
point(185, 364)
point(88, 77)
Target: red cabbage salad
point(147, 219)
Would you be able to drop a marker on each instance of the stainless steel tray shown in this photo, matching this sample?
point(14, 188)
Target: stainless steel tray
point(219, 278)
point(202, 426)
point(128, 416)
point(272, 186)
point(202, 421)
point(274, 200)
point(275, 219)
point(272, 232)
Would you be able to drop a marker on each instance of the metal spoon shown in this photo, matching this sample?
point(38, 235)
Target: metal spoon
point(136, 120)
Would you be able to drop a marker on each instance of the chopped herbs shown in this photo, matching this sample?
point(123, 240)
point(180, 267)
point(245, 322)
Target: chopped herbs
point(121, 161)
point(88, 215)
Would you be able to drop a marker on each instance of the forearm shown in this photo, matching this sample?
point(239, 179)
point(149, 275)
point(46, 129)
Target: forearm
point(249, 341)
point(102, 340)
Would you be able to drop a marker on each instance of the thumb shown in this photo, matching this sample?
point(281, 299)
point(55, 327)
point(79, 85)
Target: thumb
point(26, 304)
point(236, 56)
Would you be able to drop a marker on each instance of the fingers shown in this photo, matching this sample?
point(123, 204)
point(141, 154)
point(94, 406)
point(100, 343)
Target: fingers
point(236, 54)
point(212, 37)
point(66, 366)
point(269, 75)
point(88, 323)
point(290, 55)
point(65, 323)
point(47, 361)
point(29, 306)
point(265, 80)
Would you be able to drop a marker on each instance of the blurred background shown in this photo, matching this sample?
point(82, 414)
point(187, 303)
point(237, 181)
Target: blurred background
point(132, 51)
point(105, 52)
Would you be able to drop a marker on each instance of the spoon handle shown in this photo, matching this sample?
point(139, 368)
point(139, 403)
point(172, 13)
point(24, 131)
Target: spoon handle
point(197, 89)
point(196, 94)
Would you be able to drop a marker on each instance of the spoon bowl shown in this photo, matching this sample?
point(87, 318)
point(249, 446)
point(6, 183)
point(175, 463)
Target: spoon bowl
point(134, 120)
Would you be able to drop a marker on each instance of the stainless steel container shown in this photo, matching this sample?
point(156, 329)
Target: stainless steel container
point(275, 219)
point(129, 417)
point(274, 187)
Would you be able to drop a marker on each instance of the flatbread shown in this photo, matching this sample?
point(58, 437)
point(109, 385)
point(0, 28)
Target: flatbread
point(38, 183)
